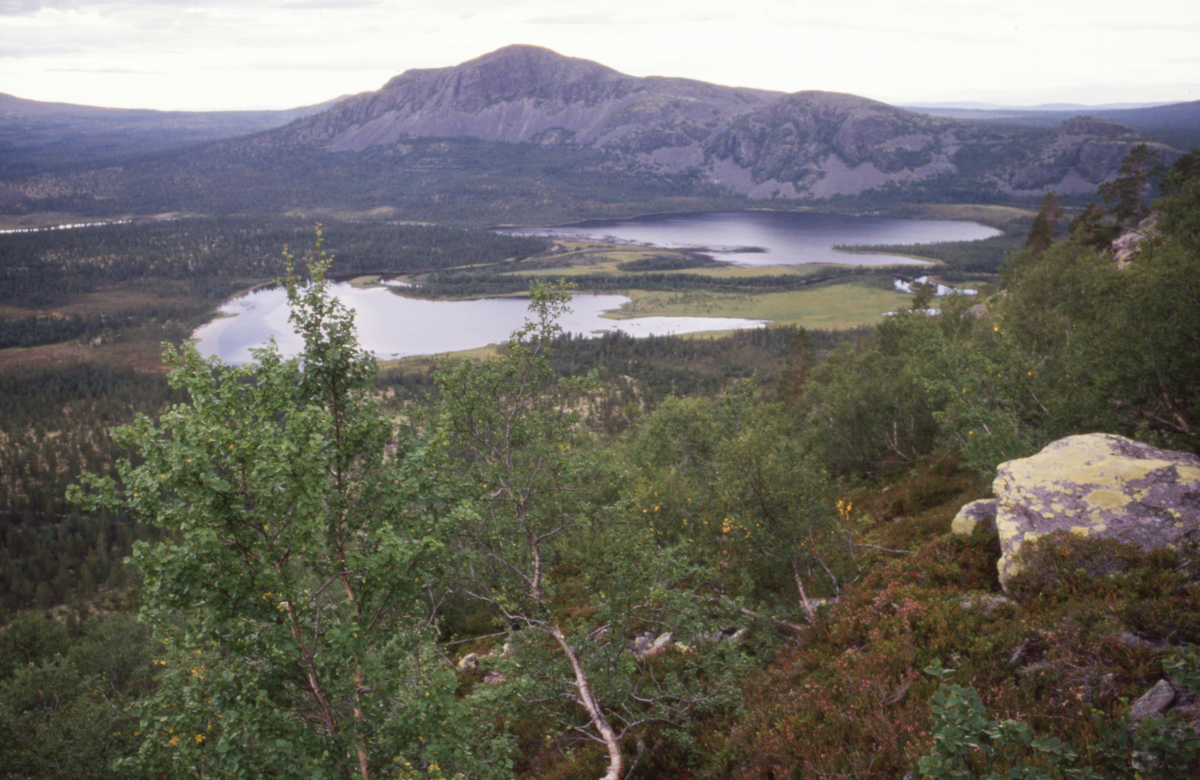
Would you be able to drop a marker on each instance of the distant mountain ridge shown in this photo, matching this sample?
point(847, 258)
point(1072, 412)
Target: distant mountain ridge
point(37, 135)
point(524, 119)
point(753, 142)
point(1175, 124)
point(529, 94)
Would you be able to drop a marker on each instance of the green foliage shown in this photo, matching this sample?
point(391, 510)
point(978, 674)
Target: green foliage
point(29, 639)
point(455, 181)
point(1184, 668)
point(305, 534)
point(865, 407)
point(53, 426)
point(1126, 195)
point(215, 258)
point(665, 263)
point(1043, 231)
point(732, 483)
point(556, 554)
point(462, 282)
point(959, 259)
point(67, 710)
point(310, 539)
point(968, 745)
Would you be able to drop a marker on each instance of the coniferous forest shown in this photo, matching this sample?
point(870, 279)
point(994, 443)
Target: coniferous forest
point(571, 558)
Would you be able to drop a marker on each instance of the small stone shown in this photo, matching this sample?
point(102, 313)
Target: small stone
point(1153, 702)
point(987, 603)
point(1129, 639)
point(975, 516)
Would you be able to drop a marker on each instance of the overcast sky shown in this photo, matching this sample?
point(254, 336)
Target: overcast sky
point(234, 54)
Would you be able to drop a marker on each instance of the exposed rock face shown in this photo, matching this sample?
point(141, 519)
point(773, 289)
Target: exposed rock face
point(1130, 243)
point(753, 142)
point(827, 143)
point(1097, 485)
point(978, 515)
point(1086, 152)
point(527, 93)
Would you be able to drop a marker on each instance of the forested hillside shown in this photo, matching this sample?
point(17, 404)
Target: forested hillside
point(668, 567)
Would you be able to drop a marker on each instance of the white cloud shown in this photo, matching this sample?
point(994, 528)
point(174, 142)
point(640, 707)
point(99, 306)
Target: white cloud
point(232, 53)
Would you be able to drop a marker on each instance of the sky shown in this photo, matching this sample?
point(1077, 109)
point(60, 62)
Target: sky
point(206, 55)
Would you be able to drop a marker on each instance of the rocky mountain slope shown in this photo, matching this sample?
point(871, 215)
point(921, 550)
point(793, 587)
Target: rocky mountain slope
point(527, 93)
point(757, 143)
point(526, 123)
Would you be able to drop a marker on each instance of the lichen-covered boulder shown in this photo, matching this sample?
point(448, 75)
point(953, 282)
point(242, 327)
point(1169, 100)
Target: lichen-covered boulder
point(976, 516)
point(1097, 485)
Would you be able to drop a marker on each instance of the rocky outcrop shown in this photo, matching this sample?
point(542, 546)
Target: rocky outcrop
point(1097, 485)
point(827, 143)
point(976, 516)
point(648, 645)
point(1085, 153)
point(1129, 244)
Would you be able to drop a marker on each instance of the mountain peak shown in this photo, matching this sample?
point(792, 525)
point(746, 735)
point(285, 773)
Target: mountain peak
point(808, 144)
point(516, 69)
point(530, 93)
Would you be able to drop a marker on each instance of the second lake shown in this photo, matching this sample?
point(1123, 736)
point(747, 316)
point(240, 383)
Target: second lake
point(762, 238)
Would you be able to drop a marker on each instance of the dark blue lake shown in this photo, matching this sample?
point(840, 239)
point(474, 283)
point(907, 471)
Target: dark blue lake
point(760, 238)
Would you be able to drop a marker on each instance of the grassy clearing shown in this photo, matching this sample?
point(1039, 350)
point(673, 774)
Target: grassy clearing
point(605, 259)
point(139, 349)
point(425, 363)
point(830, 307)
point(996, 216)
point(161, 312)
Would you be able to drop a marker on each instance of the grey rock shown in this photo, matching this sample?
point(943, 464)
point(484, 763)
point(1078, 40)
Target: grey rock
point(1153, 702)
point(1130, 639)
point(648, 645)
point(976, 516)
point(1097, 485)
point(987, 603)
